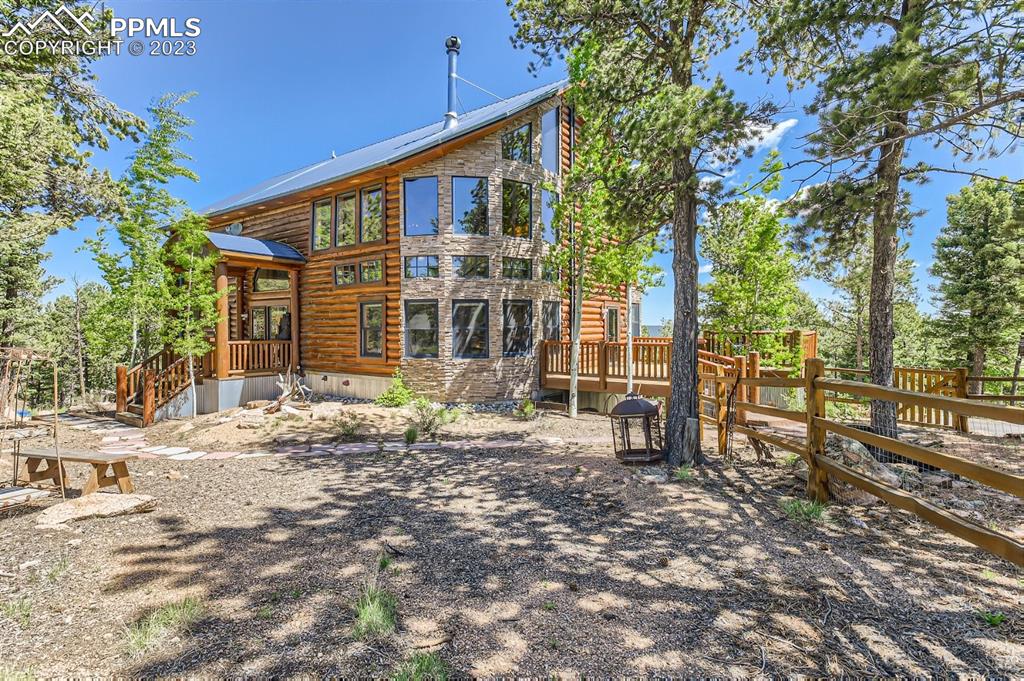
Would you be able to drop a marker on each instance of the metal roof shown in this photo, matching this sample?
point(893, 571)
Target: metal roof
point(244, 245)
point(382, 153)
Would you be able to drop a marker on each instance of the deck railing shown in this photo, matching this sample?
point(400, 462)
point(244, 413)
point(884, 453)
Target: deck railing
point(259, 355)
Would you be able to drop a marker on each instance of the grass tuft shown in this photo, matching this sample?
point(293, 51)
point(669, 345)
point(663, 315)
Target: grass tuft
point(548, 605)
point(791, 459)
point(422, 666)
point(154, 627)
point(19, 610)
point(12, 674)
point(992, 619)
point(803, 511)
point(411, 435)
point(684, 473)
point(376, 611)
point(58, 569)
point(384, 562)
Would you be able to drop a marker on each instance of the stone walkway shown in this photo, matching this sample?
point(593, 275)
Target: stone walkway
point(118, 438)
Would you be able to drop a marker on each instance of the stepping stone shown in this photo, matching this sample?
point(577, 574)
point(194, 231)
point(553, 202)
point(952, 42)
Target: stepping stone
point(257, 454)
point(394, 446)
point(111, 438)
point(321, 447)
point(293, 449)
point(220, 455)
point(355, 448)
point(171, 451)
point(187, 456)
point(424, 446)
point(154, 449)
point(146, 455)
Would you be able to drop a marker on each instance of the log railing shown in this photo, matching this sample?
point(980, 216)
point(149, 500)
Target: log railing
point(259, 356)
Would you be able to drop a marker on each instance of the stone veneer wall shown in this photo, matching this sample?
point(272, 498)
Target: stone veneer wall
point(495, 378)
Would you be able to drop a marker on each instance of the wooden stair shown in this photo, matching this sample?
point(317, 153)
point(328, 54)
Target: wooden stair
point(144, 388)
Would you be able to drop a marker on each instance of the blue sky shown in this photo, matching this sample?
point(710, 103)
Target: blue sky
point(283, 84)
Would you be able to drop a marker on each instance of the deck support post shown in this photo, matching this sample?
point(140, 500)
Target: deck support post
point(222, 362)
point(293, 288)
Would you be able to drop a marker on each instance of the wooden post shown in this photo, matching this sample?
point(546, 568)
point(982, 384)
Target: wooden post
point(293, 286)
point(741, 390)
point(148, 397)
point(602, 364)
point(222, 362)
point(122, 389)
point(962, 424)
point(817, 477)
point(721, 410)
point(543, 363)
point(754, 371)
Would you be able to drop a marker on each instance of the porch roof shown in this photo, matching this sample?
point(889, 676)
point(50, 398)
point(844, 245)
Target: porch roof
point(247, 247)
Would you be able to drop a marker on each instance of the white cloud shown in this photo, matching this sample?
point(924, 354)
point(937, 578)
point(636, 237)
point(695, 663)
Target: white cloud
point(704, 269)
point(768, 137)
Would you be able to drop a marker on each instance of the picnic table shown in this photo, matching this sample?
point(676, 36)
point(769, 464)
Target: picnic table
point(107, 469)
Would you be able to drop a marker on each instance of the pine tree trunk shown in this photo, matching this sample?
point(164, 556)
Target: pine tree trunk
point(883, 274)
point(79, 342)
point(629, 337)
point(977, 367)
point(683, 401)
point(575, 324)
point(859, 307)
point(1016, 365)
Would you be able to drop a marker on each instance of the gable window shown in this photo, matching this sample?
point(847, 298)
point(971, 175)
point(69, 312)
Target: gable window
point(270, 280)
point(371, 329)
point(371, 215)
point(611, 324)
point(517, 333)
point(421, 328)
point(515, 144)
point(419, 266)
point(345, 229)
point(517, 268)
point(549, 140)
point(551, 320)
point(547, 215)
point(370, 271)
point(471, 266)
point(516, 211)
point(322, 224)
point(469, 205)
point(345, 275)
point(634, 311)
point(469, 328)
point(420, 196)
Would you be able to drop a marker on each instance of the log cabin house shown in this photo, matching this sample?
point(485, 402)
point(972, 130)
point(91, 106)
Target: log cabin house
point(423, 252)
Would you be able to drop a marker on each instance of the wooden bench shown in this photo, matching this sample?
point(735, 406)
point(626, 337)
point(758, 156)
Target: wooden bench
point(100, 477)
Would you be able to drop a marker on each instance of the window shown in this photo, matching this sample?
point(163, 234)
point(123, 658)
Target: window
point(270, 322)
point(551, 319)
point(517, 334)
point(515, 144)
point(258, 328)
point(371, 329)
point(344, 275)
point(547, 215)
point(471, 266)
point(517, 268)
point(322, 225)
point(345, 232)
point(469, 328)
point(634, 311)
point(420, 196)
point(418, 266)
point(548, 272)
point(469, 205)
point(270, 280)
point(421, 329)
point(516, 211)
point(370, 271)
point(549, 140)
point(611, 324)
point(371, 215)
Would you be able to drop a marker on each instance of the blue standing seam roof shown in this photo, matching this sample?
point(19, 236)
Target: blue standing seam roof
point(384, 152)
point(248, 246)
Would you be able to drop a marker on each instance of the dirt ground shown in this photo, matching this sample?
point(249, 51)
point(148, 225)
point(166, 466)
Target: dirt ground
point(540, 559)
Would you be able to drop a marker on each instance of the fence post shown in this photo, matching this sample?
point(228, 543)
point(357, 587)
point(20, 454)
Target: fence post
point(721, 410)
point(817, 478)
point(962, 424)
point(754, 371)
point(122, 389)
point(148, 396)
point(741, 390)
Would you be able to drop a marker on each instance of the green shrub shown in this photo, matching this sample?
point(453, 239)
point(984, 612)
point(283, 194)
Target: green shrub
point(397, 395)
point(803, 511)
point(411, 433)
point(684, 473)
point(429, 417)
point(791, 459)
point(992, 619)
point(526, 410)
point(348, 424)
point(422, 666)
point(376, 611)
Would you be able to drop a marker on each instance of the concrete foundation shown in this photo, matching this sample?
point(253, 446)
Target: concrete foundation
point(346, 385)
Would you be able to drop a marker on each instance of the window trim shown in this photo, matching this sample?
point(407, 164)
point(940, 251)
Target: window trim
point(383, 273)
point(618, 324)
point(504, 326)
point(355, 273)
point(437, 205)
point(487, 327)
point(487, 185)
point(529, 145)
point(363, 302)
point(529, 270)
point(329, 200)
point(332, 199)
point(529, 203)
point(458, 277)
point(383, 213)
point(355, 205)
point(405, 326)
point(437, 264)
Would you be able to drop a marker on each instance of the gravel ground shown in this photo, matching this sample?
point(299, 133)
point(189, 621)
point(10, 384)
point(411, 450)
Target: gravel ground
point(535, 560)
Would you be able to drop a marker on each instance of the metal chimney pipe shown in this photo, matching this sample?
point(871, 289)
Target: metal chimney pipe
point(452, 44)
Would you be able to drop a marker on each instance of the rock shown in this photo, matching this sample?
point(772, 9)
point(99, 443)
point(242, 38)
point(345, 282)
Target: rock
point(856, 456)
point(250, 423)
point(291, 439)
point(857, 522)
point(937, 480)
point(256, 404)
point(187, 426)
point(174, 475)
point(29, 564)
point(98, 505)
point(652, 475)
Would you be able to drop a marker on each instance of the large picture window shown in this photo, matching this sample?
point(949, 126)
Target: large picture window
point(421, 328)
point(370, 271)
point(516, 211)
point(270, 280)
point(270, 322)
point(517, 333)
point(515, 144)
point(517, 268)
point(471, 266)
point(469, 328)
point(345, 210)
point(420, 197)
point(549, 140)
point(547, 215)
point(371, 329)
point(469, 205)
point(371, 215)
point(322, 225)
point(551, 319)
point(419, 266)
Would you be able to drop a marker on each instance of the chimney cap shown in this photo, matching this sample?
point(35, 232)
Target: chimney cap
point(453, 43)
